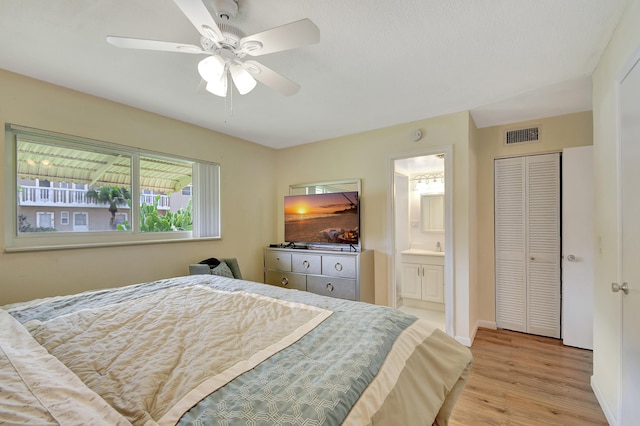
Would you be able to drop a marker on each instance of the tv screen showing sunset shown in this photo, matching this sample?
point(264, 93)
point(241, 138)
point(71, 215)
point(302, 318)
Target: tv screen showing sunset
point(322, 218)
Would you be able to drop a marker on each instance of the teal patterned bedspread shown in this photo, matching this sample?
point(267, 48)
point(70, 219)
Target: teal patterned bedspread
point(315, 381)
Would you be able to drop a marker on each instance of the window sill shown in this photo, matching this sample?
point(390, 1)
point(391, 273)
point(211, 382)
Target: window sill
point(75, 246)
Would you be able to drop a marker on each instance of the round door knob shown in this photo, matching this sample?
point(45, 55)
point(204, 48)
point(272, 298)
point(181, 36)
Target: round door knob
point(329, 286)
point(306, 264)
point(338, 266)
point(571, 258)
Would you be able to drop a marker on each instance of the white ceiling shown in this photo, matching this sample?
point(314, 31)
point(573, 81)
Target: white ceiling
point(378, 63)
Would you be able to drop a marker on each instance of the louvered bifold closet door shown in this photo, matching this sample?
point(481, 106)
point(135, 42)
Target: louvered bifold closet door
point(510, 244)
point(543, 244)
point(527, 244)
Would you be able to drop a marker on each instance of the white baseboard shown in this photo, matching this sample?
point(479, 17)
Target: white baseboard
point(464, 340)
point(468, 341)
point(486, 324)
point(608, 413)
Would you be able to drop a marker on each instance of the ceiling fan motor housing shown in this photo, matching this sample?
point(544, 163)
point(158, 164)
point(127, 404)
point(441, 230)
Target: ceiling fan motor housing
point(225, 9)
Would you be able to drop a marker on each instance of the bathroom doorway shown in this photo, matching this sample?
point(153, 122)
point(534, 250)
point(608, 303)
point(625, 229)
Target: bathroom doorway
point(421, 282)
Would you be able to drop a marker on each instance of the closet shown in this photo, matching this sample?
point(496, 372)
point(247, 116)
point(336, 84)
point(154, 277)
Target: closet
point(527, 244)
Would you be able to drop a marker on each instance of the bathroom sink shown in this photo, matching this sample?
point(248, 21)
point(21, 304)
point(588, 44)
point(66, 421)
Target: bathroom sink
point(422, 252)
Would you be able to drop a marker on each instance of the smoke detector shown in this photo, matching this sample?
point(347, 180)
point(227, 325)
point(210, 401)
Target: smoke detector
point(225, 9)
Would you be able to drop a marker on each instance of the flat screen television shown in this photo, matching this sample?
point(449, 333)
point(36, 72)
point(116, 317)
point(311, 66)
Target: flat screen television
point(322, 219)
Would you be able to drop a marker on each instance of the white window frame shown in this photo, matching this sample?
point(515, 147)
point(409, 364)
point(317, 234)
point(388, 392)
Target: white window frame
point(51, 220)
point(205, 198)
point(124, 215)
point(64, 218)
point(81, 214)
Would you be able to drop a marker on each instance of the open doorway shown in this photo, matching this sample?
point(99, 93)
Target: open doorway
point(422, 271)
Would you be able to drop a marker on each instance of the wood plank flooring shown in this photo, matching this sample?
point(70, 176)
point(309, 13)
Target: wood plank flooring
point(522, 379)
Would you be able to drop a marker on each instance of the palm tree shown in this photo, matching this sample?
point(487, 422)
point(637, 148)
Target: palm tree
point(113, 196)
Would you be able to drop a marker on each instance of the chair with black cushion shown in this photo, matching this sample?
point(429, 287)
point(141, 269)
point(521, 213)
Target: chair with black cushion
point(227, 267)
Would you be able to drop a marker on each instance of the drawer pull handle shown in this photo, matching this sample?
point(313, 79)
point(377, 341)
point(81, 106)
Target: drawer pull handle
point(306, 264)
point(338, 266)
point(329, 286)
point(285, 281)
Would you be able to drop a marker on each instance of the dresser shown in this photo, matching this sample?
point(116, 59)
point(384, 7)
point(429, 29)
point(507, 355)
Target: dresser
point(345, 275)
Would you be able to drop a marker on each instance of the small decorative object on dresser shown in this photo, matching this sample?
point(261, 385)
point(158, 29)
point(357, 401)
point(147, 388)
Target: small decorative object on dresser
point(345, 275)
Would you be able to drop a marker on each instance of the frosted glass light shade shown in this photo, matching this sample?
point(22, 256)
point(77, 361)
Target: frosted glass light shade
point(420, 186)
point(242, 79)
point(211, 68)
point(218, 87)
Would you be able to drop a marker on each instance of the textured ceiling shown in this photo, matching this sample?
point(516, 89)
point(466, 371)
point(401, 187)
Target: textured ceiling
point(378, 63)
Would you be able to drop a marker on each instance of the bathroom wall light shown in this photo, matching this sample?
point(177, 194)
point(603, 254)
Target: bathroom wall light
point(432, 182)
point(421, 186)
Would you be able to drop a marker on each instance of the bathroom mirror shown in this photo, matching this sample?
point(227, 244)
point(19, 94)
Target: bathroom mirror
point(432, 212)
point(325, 187)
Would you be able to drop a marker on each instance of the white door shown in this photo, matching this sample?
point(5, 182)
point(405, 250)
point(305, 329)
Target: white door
point(510, 244)
point(577, 247)
point(630, 234)
point(527, 244)
point(543, 244)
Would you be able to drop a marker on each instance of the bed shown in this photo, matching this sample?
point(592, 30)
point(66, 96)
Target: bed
point(205, 349)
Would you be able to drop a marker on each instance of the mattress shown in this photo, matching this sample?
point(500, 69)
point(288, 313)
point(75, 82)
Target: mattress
point(205, 349)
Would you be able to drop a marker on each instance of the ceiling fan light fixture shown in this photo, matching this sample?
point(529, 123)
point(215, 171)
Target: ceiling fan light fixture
point(218, 87)
point(211, 68)
point(242, 79)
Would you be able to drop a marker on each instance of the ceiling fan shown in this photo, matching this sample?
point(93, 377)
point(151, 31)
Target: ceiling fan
point(226, 47)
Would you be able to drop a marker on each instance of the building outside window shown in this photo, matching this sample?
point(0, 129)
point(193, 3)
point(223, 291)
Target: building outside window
point(90, 184)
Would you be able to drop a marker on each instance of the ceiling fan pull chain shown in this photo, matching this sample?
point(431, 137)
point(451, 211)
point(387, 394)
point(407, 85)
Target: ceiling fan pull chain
point(228, 104)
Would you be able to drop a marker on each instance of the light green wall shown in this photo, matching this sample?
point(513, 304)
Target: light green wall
point(606, 354)
point(556, 133)
point(367, 156)
point(247, 194)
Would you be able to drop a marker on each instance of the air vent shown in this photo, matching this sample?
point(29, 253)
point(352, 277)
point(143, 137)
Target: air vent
point(512, 137)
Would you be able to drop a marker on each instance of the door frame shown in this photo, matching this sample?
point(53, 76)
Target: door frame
point(634, 58)
point(449, 252)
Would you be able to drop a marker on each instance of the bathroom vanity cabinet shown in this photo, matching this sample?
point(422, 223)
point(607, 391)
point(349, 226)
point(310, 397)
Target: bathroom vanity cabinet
point(422, 275)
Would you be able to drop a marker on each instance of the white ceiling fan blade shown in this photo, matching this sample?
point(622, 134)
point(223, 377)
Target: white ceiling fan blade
point(197, 13)
point(272, 79)
point(166, 46)
point(289, 36)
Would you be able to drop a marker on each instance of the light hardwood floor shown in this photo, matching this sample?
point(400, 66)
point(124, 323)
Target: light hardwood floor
point(522, 379)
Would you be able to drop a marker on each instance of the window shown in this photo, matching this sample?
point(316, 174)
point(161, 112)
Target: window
point(80, 221)
point(44, 221)
point(126, 195)
point(121, 219)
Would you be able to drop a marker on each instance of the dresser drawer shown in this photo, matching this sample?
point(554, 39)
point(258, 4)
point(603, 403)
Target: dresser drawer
point(278, 260)
point(339, 266)
point(286, 280)
point(306, 263)
point(333, 287)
